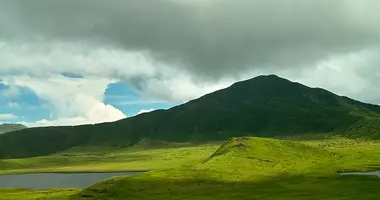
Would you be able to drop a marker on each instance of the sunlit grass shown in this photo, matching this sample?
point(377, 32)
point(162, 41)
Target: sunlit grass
point(109, 160)
point(256, 168)
point(21, 194)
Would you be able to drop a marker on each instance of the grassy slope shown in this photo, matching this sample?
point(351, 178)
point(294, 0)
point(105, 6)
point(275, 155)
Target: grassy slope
point(4, 128)
point(256, 169)
point(92, 159)
point(21, 194)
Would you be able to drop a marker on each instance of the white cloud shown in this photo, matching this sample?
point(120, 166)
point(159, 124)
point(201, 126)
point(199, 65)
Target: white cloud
point(78, 58)
point(144, 111)
point(138, 102)
point(12, 105)
point(65, 122)
point(75, 100)
point(7, 116)
point(153, 79)
point(355, 75)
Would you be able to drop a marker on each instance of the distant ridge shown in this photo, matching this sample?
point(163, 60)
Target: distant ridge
point(4, 128)
point(263, 106)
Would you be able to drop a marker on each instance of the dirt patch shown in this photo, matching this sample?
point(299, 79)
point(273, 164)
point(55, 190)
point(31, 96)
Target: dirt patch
point(240, 146)
point(241, 139)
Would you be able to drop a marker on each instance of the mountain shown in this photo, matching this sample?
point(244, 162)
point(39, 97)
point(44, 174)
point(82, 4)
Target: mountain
point(4, 128)
point(263, 106)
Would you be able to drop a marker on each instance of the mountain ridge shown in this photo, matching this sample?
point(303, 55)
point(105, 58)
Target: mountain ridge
point(265, 106)
point(5, 128)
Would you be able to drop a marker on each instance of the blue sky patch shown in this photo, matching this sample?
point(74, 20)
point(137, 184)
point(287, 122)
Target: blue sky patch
point(26, 105)
point(129, 101)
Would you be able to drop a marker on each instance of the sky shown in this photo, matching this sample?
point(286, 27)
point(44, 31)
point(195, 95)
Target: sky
point(83, 62)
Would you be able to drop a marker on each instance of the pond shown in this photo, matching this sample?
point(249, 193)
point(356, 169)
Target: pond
point(56, 180)
point(376, 173)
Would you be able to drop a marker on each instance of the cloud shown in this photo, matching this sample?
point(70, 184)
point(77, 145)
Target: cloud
point(144, 111)
point(177, 50)
point(153, 79)
point(355, 75)
point(208, 38)
point(12, 105)
point(132, 100)
point(7, 116)
point(64, 122)
point(149, 44)
point(75, 100)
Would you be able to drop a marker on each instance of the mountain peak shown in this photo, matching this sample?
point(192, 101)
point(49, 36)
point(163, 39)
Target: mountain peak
point(265, 80)
point(269, 76)
point(259, 89)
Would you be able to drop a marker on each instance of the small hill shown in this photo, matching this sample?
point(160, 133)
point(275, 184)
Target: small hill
point(243, 158)
point(264, 150)
point(4, 128)
point(264, 106)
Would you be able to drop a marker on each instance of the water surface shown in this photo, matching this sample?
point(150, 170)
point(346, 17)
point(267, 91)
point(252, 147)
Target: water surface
point(56, 180)
point(376, 173)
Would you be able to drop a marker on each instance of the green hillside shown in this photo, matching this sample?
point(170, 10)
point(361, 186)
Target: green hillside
point(263, 106)
point(4, 128)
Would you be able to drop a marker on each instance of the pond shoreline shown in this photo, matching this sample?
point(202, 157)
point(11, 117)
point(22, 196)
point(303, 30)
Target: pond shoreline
point(20, 172)
point(49, 180)
point(361, 173)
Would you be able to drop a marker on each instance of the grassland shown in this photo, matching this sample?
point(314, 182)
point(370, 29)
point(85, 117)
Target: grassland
point(100, 159)
point(54, 194)
point(253, 168)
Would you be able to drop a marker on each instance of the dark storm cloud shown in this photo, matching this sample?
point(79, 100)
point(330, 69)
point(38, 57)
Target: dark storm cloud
point(205, 37)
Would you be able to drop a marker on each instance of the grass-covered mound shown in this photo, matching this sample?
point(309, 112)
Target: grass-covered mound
point(250, 156)
point(265, 149)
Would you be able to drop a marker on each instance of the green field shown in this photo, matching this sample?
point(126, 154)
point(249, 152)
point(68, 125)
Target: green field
point(254, 168)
